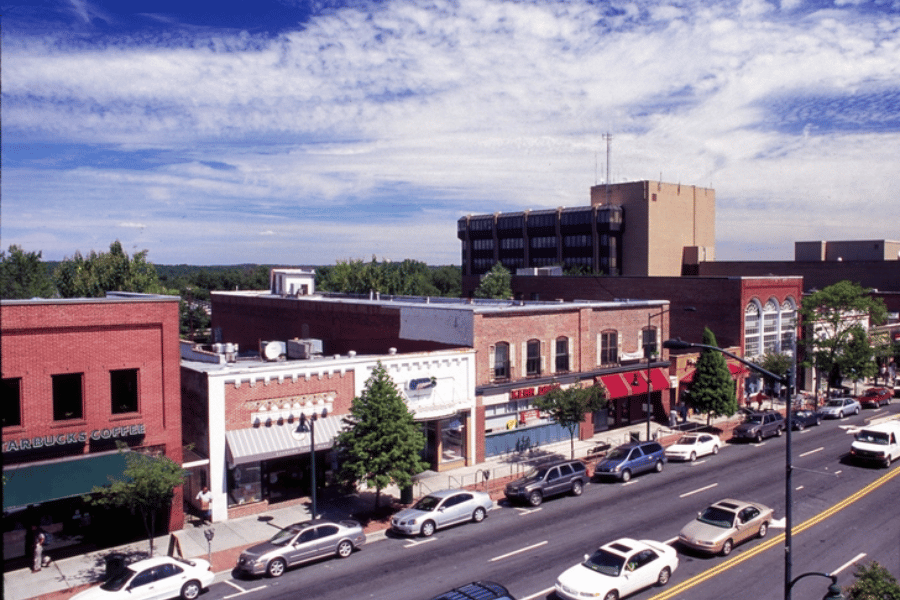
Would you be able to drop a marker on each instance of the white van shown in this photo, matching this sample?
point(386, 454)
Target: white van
point(877, 443)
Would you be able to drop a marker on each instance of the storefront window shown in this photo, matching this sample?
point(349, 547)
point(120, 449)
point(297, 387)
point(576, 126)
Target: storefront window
point(244, 484)
point(453, 440)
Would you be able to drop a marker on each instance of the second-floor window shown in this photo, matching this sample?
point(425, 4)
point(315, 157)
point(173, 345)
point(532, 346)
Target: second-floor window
point(609, 348)
point(533, 358)
point(562, 355)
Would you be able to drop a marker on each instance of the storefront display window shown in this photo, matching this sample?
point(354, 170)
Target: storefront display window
point(244, 484)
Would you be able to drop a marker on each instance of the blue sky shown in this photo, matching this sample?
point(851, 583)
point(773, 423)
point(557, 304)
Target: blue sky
point(305, 132)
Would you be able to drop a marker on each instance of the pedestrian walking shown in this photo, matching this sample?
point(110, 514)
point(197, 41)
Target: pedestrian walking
point(205, 497)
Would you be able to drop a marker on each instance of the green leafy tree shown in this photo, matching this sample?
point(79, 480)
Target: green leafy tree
point(713, 389)
point(383, 443)
point(92, 277)
point(568, 406)
point(873, 582)
point(24, 275)
point(834, 316)
point(147, 487)
point(496, 283)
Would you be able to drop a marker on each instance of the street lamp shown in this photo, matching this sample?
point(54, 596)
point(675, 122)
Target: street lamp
point(309, 424)
point(787, 381)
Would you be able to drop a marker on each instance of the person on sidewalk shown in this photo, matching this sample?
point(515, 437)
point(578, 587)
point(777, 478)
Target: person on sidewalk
point(205, 497)
point(39, 540)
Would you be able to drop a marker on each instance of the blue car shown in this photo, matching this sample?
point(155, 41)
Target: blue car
point(631, 459)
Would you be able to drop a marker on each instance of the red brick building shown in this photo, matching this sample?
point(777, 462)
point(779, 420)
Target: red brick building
point(79, 376)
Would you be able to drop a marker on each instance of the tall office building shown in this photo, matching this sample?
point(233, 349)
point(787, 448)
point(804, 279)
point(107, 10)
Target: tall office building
point(643, 228)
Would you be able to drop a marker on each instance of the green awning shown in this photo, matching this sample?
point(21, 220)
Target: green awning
point(36, 483)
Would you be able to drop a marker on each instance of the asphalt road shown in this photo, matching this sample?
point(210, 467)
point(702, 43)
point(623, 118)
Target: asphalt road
point(526, 548)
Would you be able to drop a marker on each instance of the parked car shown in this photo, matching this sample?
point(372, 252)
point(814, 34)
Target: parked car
point(631, 459)
point(876, 396)
point(877, 443)
point(154, 579)
point(838, 408)
point(760, 425)
point(299, 543)
point(692, 445)
point(547, 480)
point(804, 418)
point(725, 524)
point(442, 509)
point(617, 569)
point(479, 590)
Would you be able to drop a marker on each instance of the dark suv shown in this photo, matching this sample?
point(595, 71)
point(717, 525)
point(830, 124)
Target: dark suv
point(631, 459)
point(548, 480)
point(480, 590)
point(759, 425)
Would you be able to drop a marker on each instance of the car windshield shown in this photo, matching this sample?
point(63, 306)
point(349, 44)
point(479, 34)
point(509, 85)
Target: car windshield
point(717, 517)
point(428, 503)
point(284, 536)
point(618, 454)
point(117, 582)
point(605, 562)
point(872, 437)
point(687, 440)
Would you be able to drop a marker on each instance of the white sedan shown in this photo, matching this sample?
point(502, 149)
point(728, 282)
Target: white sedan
point(618, 569)
point(157, 578)
point(692, 445)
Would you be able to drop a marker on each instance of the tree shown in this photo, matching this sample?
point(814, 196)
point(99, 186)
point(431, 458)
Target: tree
point(147, 487)
point(713, 389)
point(873, 582)
point(383, 443)
point(834, 316)
point(496, 283)
point(23, 275)
point(92, 277)
point(568, 406)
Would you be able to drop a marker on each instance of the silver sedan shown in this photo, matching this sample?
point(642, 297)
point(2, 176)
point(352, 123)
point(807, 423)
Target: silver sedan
point(441, 509)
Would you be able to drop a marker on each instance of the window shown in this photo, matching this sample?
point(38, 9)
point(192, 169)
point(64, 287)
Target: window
point(562, 355)
point(648, 341)
point(123, 391)
point(609, 348)
point(67, 400)
point(533, 360)
point(501, 361)
point(12, 402)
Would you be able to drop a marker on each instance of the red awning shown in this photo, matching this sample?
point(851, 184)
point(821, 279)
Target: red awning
point(615, 386)
point(735, 370)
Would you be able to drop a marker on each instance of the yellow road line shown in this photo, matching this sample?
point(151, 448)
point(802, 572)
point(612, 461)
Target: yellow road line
point(775, 541)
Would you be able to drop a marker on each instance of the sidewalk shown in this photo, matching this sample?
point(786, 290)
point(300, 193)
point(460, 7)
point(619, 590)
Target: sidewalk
point(65, 577)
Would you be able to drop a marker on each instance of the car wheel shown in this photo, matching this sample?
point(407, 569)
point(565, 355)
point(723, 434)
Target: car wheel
point(345, 549)
point(663, 578)
point(758, 438)
point(577, 488)
point(478, 515)
point(535, 498)
point(659, 466)
point(613, 595)
point(715, 449)
point(428, 528)
point(763, 529)
point(276, 568)
point(626, 475)
point(726, 547)
point(190, 590)
point(693, 456)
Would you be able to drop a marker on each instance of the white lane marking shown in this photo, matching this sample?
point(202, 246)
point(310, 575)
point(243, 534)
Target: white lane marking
point(819, 449)
point(539, 594)
point(697, 491)
point(519, 551)
point(850, 563)
point(413, 543)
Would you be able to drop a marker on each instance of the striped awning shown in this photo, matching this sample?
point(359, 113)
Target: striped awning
point(274, 441)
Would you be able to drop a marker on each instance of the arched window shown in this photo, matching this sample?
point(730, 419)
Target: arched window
point(501, 360)
point(752, 345)
point(562, 354)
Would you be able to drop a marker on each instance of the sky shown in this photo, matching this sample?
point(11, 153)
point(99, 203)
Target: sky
point(303, 132)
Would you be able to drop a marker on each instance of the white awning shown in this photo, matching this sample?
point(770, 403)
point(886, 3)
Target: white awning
point(274, 441)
